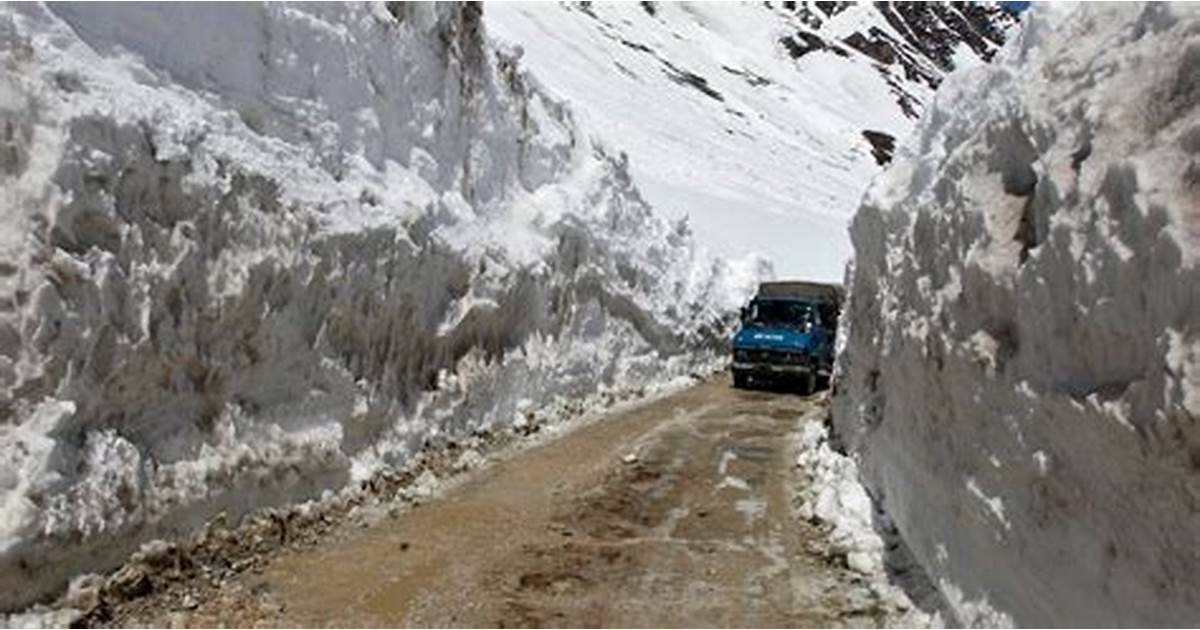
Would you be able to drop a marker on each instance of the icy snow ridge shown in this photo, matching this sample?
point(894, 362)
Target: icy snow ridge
point(252, 252)
point(1020, 374)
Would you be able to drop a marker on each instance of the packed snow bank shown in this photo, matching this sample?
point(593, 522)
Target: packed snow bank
point(1020, 379)
point(831, 494)
point(252, 252)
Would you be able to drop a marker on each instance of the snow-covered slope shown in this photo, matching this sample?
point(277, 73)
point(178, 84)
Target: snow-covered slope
point(749, 118)
point(252, 252)
point(1021, 375)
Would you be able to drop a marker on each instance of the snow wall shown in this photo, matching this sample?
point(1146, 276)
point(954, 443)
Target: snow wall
point(1020, 378)
point(249, 253)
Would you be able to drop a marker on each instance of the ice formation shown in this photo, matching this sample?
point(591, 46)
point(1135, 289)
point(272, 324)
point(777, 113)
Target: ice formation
point(1020, 378)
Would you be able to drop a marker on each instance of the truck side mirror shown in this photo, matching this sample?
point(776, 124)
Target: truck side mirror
point(745, 314)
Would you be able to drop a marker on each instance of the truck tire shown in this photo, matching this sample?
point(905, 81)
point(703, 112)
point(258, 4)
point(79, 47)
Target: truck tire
point(740, 379)
point(808, 382)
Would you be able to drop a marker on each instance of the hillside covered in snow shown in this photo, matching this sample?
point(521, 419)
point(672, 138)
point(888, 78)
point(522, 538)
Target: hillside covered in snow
point(761, 122)
point(250, 253)
point(1020, 379)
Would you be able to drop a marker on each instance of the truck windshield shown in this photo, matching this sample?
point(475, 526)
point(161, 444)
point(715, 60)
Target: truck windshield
point(781, 313)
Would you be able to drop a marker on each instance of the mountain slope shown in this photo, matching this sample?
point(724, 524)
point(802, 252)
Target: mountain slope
point(749, 118)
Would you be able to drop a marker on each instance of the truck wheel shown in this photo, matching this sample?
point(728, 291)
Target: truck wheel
point(740, 380)
point(808, 382)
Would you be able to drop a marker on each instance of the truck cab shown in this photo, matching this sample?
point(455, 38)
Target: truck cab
point(787, 334)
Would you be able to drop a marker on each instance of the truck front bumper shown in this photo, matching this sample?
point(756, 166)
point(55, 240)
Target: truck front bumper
point(776, 369)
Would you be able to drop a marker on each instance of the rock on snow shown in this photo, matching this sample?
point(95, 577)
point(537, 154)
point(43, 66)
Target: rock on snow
point(252, 252)
point(1020, 378)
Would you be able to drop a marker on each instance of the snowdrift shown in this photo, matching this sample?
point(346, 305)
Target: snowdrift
point(250, 253)
point(1020, 378)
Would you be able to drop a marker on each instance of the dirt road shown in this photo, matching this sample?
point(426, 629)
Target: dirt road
point(677, 513)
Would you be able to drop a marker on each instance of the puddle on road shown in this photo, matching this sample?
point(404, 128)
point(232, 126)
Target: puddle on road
point(666, 529)
point(723, 466)
point(752, 453)
point(737, 483)
point(743, 467)
point(751, 509)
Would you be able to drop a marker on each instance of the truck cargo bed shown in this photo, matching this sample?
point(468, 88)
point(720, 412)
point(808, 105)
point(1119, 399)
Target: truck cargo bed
point(799, 288)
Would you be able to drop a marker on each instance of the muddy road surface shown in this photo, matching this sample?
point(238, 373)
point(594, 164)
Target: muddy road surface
point(678, 512)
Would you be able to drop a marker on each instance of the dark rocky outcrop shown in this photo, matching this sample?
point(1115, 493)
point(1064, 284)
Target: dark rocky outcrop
point(883, 146)
point(918, 45)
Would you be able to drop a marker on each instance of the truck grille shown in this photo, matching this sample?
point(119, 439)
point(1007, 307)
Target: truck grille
point(777, 357)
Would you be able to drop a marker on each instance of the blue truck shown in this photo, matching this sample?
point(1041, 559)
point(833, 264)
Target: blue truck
point(787, 335)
